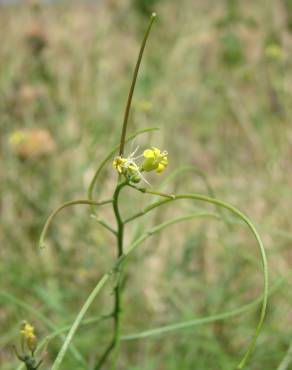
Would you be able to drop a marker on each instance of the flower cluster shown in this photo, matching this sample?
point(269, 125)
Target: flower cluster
point(28, 338)
point(28, 335)
point(154, 160)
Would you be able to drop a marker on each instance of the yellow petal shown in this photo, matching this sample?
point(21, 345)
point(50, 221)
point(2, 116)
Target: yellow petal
point(164, 161)
point(157, 152)
point(160, 168)
point(148, 153)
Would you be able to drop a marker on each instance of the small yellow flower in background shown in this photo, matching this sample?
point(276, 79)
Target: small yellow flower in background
point(28, 342)
point(274, 51)
point(32, 143)
point(17, 137)
point(28, 334)
point(154, 160)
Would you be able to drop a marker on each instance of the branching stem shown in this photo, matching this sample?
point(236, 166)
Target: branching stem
point(59, 209)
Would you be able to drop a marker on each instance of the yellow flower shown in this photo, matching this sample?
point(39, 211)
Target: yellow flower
point(31, 143)
point(28, 334)
point(17, 137)
point(119, 163)
point(274, 51)
point(127, 167)
point(154, 160)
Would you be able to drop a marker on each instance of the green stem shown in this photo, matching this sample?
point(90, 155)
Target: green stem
point(120, 224)
point(284, 365)
point(117, 289)
point(104, 224)
point(134, 79)
point(65, 205)
point(250, 225)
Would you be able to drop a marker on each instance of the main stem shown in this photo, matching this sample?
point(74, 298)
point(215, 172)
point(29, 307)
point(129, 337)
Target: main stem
point(117, 289)
point(120, 224)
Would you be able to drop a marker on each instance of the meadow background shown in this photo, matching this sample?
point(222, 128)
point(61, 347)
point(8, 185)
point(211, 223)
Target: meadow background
point(217, 80)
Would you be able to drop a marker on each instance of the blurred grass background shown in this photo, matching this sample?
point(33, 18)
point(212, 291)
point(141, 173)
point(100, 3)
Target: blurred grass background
point(216, 78)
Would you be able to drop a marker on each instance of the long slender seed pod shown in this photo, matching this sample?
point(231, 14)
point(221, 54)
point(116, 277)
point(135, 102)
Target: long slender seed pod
point(132, 88)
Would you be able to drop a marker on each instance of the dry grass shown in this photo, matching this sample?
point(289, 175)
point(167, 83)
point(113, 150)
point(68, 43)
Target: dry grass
point(230, 120)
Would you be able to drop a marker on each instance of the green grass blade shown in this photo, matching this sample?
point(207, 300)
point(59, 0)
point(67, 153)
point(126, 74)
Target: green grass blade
point(78, 320)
